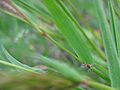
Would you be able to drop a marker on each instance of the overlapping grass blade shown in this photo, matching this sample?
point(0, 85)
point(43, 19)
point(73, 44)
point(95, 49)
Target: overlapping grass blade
point(12, 9)
point(25, 15)
point(61, 68)
point(40, 13)
point(16, 62)
point(70, 73)
point(100, 53)
point(34, 25)
point(82, 19)
point(45, 81)
point(99, 86)
point(8, 7)
point(69, 30)
point(112, 58)
point(16, 66)
point(115, 29)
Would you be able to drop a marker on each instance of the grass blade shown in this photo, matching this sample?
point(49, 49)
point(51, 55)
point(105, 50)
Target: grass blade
point(16, 62)
point(8, 7)
point(113, 62)
point(100, 53)
point(16, 66)
point(99, 86)
point(113, 22)
point(61, 68)
point(70, 32)
point(40, 13)
point(30, 81)
point(71, 73)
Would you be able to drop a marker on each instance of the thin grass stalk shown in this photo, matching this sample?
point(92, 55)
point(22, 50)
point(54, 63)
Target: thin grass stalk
point(111, 53)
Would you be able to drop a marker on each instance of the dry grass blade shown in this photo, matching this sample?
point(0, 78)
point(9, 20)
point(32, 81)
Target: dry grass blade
point(9, 7)
point(34, 81)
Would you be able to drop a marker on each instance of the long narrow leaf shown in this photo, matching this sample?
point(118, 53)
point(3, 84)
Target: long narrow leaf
point(16, 66)
point(71, 73)
point(100, 53)
point(113, 22)
point(16, 62)
point(113, 62)
point(69, 30)
point(61, 68)
point(8, 7)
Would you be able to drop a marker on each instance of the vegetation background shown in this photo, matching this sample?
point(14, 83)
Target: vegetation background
point(59, 45)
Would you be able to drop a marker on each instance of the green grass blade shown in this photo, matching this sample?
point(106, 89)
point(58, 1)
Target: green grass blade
point(113, 62)
point(113, 22)
point(99, 86)
point(100, 53)
point(71, 73)
point(63, 47)
point(35, 26)
point(42, 14)
point(82, 19)
point(61, 68)
point(16, 62)
point(114, 12)
point(70, 32)
point(16, 66)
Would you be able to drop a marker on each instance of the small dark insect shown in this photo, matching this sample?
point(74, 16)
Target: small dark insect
point(88, 66)
point(44, 34)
